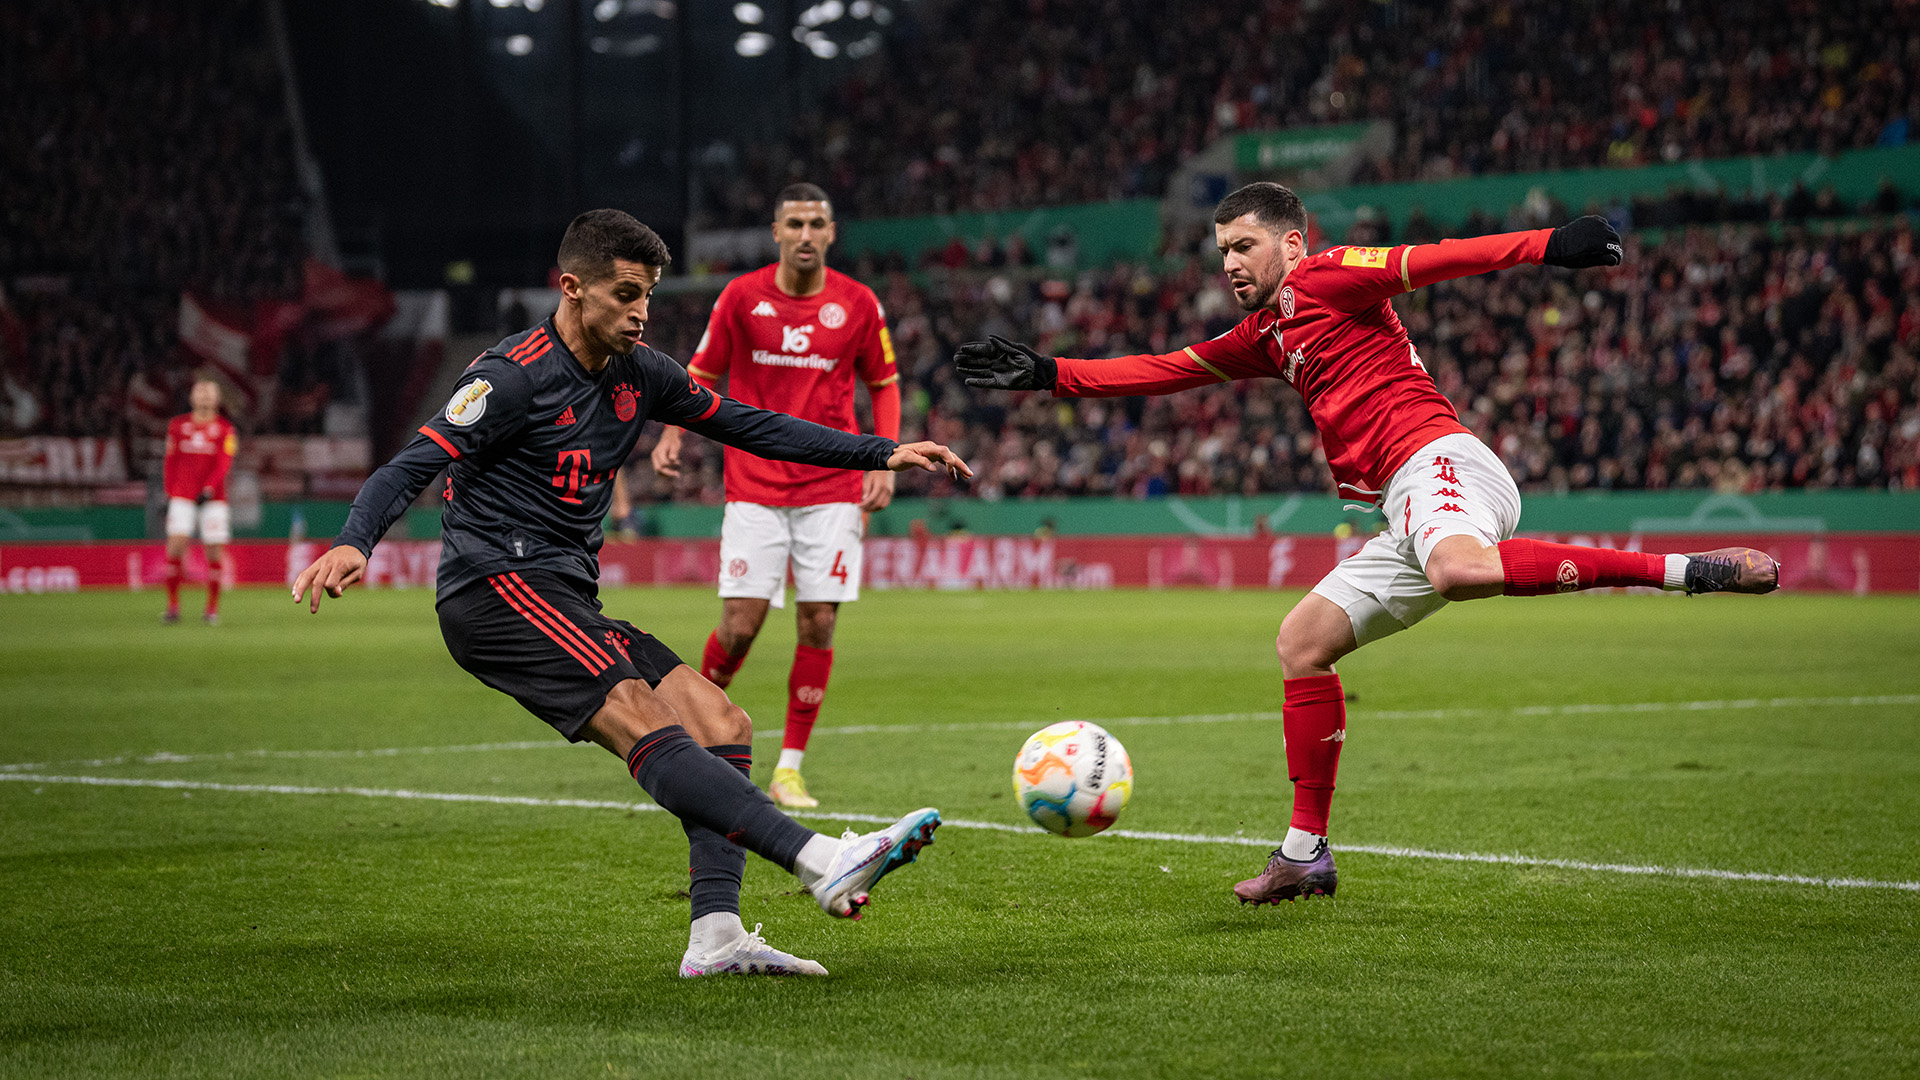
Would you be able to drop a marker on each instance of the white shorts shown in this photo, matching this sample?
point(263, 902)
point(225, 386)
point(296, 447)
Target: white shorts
point(1454, 486)
point(822, 543)
point(183, 515)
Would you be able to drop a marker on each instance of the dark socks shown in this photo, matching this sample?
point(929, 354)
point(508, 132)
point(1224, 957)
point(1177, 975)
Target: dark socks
point(697, 787)
point(715, 865)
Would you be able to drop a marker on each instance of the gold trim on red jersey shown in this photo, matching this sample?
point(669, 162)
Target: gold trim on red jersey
point(1209, 368)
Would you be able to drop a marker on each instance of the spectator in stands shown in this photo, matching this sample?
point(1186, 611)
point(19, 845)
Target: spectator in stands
point(148, 153)
point(998, 105)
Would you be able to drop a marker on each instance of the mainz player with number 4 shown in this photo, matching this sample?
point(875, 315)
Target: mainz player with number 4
point(793, 337)
point(1323, 323)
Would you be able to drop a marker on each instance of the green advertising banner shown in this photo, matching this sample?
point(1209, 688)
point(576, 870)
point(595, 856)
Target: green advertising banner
point(1102, 232)
point(1293, 149)
point(1855, 176)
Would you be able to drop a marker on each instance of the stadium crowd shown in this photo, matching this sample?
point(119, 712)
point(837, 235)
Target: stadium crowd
point(1736, 357)
point(148, 153)
point(1020, 103)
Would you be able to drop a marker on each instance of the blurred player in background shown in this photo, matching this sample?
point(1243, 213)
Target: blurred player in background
point(200, 448)
point(1324, 324)
point(793, 337)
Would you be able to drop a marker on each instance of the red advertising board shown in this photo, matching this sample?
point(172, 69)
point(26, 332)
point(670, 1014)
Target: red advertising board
point(1857, 563)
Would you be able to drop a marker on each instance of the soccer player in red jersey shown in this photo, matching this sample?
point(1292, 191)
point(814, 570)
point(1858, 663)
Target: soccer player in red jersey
point(793, 337)
point(1323, 323)
point(200, 448)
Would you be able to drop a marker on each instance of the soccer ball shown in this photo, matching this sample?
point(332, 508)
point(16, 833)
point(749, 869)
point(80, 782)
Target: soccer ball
point(1073, 778)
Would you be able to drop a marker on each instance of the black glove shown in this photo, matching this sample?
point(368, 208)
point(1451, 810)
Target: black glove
point(999, 364)
point(1584, 242)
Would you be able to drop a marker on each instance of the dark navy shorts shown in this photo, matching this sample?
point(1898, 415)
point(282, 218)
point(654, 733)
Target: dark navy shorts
point(537, 637)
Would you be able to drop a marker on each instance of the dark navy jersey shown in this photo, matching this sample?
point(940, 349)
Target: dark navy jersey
point(535, 439)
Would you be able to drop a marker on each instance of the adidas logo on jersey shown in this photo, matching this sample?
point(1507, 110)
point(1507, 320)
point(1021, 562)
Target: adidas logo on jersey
point(764, 308)
point(565, 418)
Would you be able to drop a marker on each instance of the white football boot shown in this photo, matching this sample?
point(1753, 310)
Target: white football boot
point(748, 954)
point(863, 859)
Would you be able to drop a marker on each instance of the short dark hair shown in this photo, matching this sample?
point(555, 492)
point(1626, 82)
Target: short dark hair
point(800, 193)
point(1275, 207)
point(598, 237)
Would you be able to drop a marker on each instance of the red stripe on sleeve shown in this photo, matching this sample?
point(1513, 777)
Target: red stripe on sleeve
point(533, 342)
point(711, 409)
point(544, 349)
point(451, 450)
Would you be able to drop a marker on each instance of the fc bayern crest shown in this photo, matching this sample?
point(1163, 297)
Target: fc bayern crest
point(833, 316)
point(625, 405)
point(1286, 301)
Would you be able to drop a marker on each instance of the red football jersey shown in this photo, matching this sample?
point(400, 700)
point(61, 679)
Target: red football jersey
point(798, 355)
point(198, 456)
point(1333, 336)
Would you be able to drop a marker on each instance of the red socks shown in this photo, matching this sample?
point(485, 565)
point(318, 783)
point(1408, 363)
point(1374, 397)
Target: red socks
point(716, 665)
point(176, 571)
point(213, 588)
point(1314, 717)
point(806, 689)
point(1537, 568)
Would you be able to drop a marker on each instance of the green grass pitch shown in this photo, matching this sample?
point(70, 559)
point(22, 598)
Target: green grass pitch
point(197, 932)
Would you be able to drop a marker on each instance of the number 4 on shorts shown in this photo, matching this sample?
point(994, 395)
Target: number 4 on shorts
point(839, 567)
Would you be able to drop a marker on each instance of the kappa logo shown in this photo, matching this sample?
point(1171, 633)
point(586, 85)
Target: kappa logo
point(764, 308)
point(1286, 301)
point(1450, 508)
point(1429, 531)
point(1443, 469)
point(469, 403)
point(1568, 579)
point(1448, 493)
point(833, 316)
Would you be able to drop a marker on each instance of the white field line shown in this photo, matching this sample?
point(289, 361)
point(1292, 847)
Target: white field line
point(991, 826)
point(166, 758)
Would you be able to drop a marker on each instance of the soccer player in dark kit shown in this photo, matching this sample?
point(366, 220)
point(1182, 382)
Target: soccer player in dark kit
point(534, 433)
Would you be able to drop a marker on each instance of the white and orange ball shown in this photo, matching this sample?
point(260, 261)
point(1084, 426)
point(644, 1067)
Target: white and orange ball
point(1073, 778)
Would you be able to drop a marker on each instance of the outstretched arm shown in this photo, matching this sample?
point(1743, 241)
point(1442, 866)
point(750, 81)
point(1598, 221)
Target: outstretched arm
point(1359, 276)
point(382, 499)
point(999, 364)
point(489, 405)
point(788, 438)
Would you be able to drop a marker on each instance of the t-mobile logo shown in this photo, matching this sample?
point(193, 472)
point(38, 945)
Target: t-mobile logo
point(566, 473)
